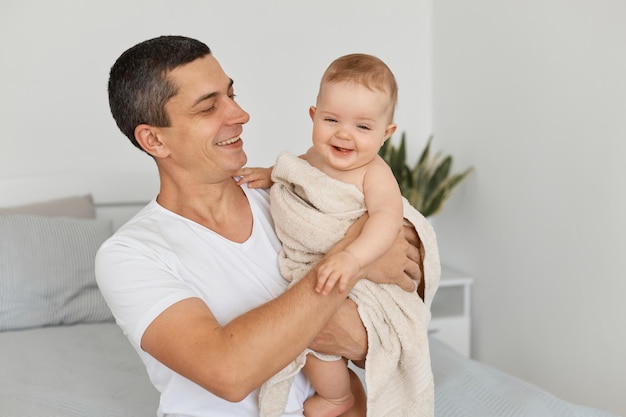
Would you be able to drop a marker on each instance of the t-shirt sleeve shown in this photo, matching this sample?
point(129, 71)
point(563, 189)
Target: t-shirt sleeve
point(137, 285)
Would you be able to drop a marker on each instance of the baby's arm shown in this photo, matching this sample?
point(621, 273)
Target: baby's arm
point(255, 177)
point(384, 206)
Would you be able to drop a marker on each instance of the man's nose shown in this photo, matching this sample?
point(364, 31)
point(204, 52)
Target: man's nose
point(236, 114)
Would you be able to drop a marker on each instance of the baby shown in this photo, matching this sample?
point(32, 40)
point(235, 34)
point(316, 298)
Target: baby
point(352, 118)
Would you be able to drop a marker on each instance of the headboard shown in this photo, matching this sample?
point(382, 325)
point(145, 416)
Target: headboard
point(117, 196)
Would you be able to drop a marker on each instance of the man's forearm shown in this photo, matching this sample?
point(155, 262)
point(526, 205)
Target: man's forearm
point(284, 327)
point(344, 334)
point(233, 360)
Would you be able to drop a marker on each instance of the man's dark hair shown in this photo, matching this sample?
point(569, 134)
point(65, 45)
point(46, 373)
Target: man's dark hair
point(138, 82)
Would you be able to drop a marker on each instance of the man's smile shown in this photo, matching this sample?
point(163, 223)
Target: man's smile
point(229, 141)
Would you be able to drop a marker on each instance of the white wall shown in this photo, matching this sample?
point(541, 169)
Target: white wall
point(56, 57)
point(533, 94)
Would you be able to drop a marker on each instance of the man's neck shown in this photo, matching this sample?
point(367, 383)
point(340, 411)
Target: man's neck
point(222, 207)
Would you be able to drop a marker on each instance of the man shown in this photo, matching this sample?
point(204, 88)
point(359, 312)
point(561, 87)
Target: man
point(193, 279)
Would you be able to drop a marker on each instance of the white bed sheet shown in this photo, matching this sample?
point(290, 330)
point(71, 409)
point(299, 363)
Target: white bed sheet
point(466, 388)
point(87, 370)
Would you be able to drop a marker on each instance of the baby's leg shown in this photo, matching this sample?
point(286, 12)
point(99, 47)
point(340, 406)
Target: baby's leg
point(331, 381)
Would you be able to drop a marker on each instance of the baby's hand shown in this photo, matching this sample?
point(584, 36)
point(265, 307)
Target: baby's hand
point(338, 268)
point(255, 177)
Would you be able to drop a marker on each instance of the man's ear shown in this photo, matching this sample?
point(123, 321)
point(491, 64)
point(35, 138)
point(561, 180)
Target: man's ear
point(148, 138)
point(312, 110)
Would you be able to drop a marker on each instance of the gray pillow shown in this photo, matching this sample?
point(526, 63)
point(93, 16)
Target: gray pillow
point(74, 206)
point(47, 273)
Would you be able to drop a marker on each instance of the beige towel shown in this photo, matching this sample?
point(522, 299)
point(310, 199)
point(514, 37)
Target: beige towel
point(311, 213)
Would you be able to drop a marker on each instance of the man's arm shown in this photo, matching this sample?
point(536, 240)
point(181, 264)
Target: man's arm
point(233, 360)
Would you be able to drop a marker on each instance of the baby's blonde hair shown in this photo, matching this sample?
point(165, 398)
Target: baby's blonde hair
point(366, 70)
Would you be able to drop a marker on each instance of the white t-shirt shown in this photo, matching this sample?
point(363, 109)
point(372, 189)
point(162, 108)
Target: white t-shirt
point(159, 258)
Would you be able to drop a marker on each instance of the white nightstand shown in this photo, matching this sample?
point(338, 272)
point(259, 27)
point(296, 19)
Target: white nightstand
point(451, 309)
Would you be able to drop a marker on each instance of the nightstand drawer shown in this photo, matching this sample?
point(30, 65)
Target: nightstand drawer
point(453, 331)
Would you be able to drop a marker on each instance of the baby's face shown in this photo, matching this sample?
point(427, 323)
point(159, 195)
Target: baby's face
point(350, 123)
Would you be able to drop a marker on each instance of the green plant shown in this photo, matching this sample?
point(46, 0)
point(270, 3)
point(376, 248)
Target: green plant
point(429, 183)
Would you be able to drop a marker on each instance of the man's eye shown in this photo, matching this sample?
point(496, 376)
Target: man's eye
point(208, 109)
point(232, 96)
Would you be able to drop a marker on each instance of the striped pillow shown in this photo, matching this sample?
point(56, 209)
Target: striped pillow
point(47, 271)
point(73, 206)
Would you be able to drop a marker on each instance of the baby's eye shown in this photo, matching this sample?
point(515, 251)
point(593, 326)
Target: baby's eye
point(363, 127)
point(330, 119)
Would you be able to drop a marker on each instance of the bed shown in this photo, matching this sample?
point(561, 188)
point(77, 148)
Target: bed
point(61, 354)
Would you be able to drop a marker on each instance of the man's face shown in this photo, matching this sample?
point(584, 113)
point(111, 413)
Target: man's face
point(205, 122)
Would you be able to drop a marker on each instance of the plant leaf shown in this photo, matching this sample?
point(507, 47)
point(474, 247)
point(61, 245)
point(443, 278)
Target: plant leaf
point(426, 185)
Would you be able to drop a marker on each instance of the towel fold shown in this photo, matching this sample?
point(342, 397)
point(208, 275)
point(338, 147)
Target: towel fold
point(311, 212)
